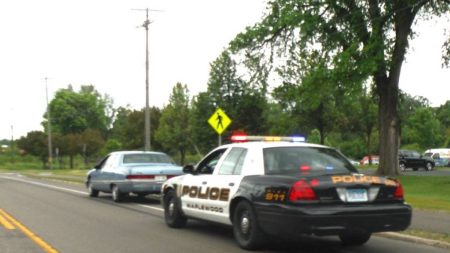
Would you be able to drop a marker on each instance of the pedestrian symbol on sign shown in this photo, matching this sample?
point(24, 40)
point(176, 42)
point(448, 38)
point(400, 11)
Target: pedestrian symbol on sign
point(219, 121)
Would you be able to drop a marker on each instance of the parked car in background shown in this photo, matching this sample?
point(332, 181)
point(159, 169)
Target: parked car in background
point(440, 156)
point(353, 162)
point(413, 159)
point(365, 160)
point(125, 172)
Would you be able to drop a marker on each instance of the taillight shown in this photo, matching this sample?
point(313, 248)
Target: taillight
point(301, 190)
point(140, 176)
point(398, 194)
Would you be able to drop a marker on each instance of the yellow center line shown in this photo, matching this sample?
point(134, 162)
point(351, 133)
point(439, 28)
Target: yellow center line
point(45, 246)
point(6, 223)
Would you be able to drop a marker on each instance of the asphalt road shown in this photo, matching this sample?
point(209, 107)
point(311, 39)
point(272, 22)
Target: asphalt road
point(66, 219)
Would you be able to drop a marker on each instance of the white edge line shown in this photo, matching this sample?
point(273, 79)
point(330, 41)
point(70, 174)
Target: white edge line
point(67, 190)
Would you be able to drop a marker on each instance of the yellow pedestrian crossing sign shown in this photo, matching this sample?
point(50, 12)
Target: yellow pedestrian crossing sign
point(219, 121)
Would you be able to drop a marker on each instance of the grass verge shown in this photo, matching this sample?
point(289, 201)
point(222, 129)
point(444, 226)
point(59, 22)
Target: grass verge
point(427, 192)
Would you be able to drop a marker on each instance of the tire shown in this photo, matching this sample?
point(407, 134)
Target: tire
point(117, 196)
point(402, 167)
point(172, 214)
point(246, 230)
point(92, 193)
point(428, 166)
point(354, 239)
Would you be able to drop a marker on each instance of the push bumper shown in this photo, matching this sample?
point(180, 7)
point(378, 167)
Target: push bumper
point(288, 221)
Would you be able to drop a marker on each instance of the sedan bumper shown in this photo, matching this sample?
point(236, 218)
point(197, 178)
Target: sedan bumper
point(140, 186)
point(289, 221)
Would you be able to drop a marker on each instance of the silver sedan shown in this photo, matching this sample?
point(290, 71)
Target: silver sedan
point(125, 172)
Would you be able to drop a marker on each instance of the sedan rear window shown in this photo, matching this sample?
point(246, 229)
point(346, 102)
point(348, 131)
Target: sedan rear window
point(147, 158)
point(304, 160)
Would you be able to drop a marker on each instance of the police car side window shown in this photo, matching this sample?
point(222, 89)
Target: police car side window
point(232, 164)
point(207, 165)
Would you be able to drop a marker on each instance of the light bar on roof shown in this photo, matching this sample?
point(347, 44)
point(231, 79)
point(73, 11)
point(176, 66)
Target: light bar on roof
point(244, 138)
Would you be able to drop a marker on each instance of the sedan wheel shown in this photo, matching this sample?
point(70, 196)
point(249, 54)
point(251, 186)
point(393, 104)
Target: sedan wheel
point(117, 196)
point(402, 167)
point(429, 166)
point(92, 192)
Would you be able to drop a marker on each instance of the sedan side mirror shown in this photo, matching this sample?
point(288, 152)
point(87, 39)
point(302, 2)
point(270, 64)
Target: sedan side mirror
point(188, 169)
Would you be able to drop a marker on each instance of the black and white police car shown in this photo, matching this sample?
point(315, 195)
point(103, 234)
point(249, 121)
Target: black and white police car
point(268, 187)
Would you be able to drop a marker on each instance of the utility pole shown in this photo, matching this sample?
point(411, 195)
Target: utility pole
point(49, 128)
point(147, 22)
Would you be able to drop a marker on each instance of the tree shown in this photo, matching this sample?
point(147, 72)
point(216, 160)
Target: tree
point(91, 142)
point(368, 119)
point(128, 128)
point(74, 112)
point(35, 143)
point(358, 40)
point(423, 129)
point(174, 132)
point(203, 136)
point(443, 114)
point(244, 103)
point(71, 146)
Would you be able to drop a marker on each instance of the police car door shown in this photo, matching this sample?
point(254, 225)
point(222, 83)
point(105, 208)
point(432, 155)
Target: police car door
point(195, 190)
point(227, 178)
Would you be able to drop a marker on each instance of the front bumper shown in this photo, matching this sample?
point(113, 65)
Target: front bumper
point(289, 221)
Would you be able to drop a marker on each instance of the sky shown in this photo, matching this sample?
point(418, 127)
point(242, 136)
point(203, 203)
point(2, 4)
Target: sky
point(102, 42)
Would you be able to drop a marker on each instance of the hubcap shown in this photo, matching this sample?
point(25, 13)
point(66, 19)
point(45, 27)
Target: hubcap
point(171, 208)
point(115, 192)
point(245, 224)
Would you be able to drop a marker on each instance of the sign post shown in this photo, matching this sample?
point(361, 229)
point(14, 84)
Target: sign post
point(219, 121)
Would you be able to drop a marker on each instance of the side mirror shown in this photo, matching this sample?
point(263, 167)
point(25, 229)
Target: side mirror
point(188, 169)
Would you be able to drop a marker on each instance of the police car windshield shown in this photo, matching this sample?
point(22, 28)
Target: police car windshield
point(304, 160)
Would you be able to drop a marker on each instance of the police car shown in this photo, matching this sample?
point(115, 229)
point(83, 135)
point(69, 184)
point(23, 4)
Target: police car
point(267, 187)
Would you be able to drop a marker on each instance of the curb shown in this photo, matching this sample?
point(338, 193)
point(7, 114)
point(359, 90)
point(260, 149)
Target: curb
point(415, 239)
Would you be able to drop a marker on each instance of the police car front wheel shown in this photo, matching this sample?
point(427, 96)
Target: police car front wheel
point(245, 227)
point(172, 214)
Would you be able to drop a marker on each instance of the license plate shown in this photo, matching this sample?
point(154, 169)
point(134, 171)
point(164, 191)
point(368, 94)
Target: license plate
point(160, 178)
point(356, 195)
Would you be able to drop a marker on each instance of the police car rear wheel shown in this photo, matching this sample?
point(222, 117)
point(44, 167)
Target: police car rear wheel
point(245, 227)
point(354, 239)
point(429, 166)
point(172, 214)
